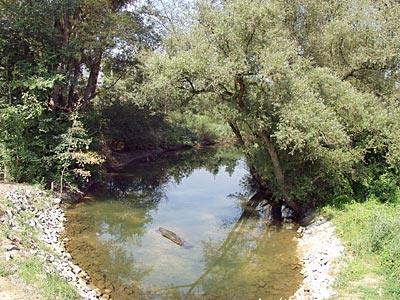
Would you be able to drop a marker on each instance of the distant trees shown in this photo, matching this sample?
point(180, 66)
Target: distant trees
point(309, 88)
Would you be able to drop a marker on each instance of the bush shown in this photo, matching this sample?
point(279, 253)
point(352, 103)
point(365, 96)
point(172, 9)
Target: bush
point(371, 232)
point(385, 188)
point(384, 237)
point(26, 141)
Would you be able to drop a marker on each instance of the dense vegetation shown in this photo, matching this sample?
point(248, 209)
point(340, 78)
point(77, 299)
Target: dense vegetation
point(310, 89)
point(371, 234)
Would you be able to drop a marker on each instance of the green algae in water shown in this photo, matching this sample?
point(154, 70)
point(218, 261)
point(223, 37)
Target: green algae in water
point(230, 253)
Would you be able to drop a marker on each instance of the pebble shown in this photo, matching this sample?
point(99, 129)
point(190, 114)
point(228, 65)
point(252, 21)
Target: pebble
point(320, 250)
point(49, 220)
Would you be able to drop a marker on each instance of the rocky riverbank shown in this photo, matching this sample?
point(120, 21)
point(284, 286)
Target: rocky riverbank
point(320, 250)
point(32, 222)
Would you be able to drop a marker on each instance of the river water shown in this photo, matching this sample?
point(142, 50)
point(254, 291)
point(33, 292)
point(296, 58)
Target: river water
point(231, 251)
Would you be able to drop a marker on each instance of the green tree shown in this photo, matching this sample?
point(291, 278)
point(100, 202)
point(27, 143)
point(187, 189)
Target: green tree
point(52, 55)
point(73, 153)
point(26, 141)
point(307, 120)
point(64, 43)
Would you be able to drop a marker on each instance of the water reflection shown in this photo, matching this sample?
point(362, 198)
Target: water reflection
point(156, 174)
point(232, 254)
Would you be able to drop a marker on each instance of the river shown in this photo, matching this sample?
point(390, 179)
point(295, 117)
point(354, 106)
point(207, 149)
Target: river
point(231, 251)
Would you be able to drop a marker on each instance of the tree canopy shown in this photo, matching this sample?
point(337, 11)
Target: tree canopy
point(53, 57)
point(310, 88)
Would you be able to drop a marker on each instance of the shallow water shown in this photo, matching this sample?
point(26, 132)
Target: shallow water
point(229, 251)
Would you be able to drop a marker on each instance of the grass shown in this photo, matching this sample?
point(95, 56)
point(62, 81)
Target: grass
point(31, 270)
point(52, 286)
point(5, 269)
point(371, 234)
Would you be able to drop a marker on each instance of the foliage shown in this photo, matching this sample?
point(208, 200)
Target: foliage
point(52, 55)
point(36, 146)
point(308, 123)
point(309, 88)
point(371, 233)
point(190, 128)
point(385, 188)
point(120, 114)
point(55, 49)
point(73, 155)
point(26, 141)
point(117, 120)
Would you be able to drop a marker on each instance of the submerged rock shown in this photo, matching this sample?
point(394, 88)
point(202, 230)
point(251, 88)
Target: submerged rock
point(171, 236)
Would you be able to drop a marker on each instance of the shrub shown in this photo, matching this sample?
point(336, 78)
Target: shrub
point(384, 237)
point(385, 188)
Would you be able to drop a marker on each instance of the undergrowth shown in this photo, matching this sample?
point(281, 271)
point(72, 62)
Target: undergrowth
point(371, 234)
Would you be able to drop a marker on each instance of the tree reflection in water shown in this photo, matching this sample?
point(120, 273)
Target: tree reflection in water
point(114, 243)
point(236, 260)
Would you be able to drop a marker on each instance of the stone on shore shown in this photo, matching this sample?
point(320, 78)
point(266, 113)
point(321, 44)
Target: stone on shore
point(320, 251)
point(31, 207)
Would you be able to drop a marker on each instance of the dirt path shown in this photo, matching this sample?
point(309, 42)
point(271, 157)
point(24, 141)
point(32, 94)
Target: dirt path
point(11, 291)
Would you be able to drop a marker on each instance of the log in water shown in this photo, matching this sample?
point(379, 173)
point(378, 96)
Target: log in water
point(171, 236)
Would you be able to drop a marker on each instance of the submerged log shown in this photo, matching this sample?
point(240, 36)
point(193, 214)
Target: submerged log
point(171, 236)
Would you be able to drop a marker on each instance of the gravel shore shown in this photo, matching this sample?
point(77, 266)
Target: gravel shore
point(29, 209)
point(320, 250)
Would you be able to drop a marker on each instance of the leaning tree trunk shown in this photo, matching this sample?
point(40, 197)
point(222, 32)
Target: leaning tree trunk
point(242, 143)
point(280, 177)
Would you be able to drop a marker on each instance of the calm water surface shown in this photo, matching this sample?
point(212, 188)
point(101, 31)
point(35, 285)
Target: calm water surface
point(229, 251)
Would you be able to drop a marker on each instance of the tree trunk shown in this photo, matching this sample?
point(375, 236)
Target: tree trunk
point(237, 133)
point(242, 143)
point(73, 74)
point(90, 90)
point(278, 170)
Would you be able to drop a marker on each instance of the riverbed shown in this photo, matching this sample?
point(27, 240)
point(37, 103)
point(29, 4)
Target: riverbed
point(231, 250)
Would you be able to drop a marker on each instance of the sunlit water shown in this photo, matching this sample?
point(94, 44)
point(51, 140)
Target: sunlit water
point(229, 252)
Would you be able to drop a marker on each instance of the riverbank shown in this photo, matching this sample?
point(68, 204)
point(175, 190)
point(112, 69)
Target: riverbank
point(34, 264)
point(370, 232)
point(117, 160)
point(354, 255)
point(321, 252)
